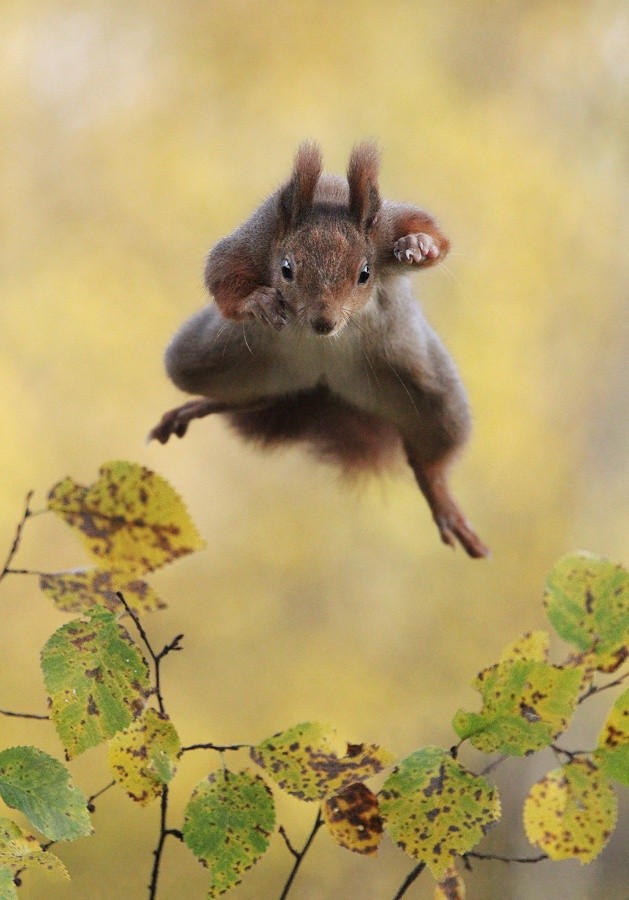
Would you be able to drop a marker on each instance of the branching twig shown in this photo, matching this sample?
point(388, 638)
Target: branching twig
point(18, 715)
point(15, 546)
point(220, 748)
point(299, 855)
point(410, 878)
point(593, 689)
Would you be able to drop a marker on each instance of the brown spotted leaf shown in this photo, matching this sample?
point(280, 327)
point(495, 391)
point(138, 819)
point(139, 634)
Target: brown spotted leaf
point(532, 645)
point(228, 824)
point(130, 518)
point(82, 589)
point(143, 757)
point(587, 601)
point(451, 886)
point(353, 819)
point(435, 809)
point(613, 742)
point(97, 680)
point(21, 850)
point(571, 812)
point(302, 761)
point(526, 704)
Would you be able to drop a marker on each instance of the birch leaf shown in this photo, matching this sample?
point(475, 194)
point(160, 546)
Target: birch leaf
point(143, 757)
point(83, 589)
point(353, 819)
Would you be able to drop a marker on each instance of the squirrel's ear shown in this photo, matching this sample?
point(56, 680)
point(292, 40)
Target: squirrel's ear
point(362, 177)
point(297, 196)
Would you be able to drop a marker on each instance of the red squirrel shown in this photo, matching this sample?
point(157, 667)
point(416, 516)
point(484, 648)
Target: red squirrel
point(315, 336)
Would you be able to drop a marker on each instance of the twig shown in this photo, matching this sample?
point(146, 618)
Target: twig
point(410, 878)
point(90, 800)
point(299, 855)
point(220, 748)
point(163, 834)
point(494, 765)
point(290, 847)
point(18, 715)
point(506, 859)
point(603, 687)
point(15, 546)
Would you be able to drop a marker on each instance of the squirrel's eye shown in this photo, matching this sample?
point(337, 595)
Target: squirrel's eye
point(363, 277)
point(287, 270)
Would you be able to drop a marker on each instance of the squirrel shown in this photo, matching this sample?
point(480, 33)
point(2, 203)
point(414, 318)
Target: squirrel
point(315, 336)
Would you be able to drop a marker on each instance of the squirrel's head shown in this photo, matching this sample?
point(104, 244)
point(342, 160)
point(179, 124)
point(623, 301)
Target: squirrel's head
point(324, 260)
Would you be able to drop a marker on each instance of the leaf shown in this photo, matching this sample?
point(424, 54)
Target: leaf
point(96, 678)
point(435, 809)
point(526, 703)
point(83, 589)
point(302, 761)
point(143, 757)
point(21, 850)
point(613, 742)
point(451, 886)
point(353, 819)
point(39, 786)
point(571, 812)
point(532, 645)
point(130, 518)
point(228, 823)
point(587, 601)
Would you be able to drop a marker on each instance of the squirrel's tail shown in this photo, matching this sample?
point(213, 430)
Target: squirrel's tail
point(336, 431)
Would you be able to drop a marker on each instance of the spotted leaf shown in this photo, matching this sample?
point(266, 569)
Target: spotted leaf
point(435, 809)
point(39, 786)
point(303, 761)
point(587, 601)
point(353, 819)
point(143, 757)
point(96, 678)
point(532, 645)
point(228, 824)
point(21, 850)
point(526, 703)
point(83, 589)
point(613, 742)
point(571, 812)
point(130, 518)
point(451, 886)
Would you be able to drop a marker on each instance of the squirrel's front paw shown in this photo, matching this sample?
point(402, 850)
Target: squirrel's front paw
point(267, 305)
point(415, 249)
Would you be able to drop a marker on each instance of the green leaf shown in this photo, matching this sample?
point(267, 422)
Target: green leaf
point(143, 757)
point(21, 850)
point(302, 761)
point(228, 823)
point(613, 742)
point(526, 703)
point(435, 809)
point(353, 819)
point(83, 589)
point(40, 787)
point(130, 518)
point(587, 600)
point(571, 813)
point(8, 891)
point(96, 678)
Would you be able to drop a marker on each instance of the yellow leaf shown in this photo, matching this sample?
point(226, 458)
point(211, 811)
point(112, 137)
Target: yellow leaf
point(83, 589)
point(143, 757)
point(353, 819)
point(451, 886)
point(571, 813)
point(130, 518)
point(21, 850)
point(532, 645)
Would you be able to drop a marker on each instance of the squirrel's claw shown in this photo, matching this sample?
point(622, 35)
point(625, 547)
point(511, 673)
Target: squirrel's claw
point(267, 305)
point(415, 248)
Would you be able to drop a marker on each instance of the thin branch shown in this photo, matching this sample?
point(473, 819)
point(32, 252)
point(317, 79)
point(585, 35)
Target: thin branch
point(412, 876)
point(506, 859)
point(163, 834)
point(299, 855)
point(571, 754)
point(103, 790)
point(494, 765)
point(290, 847)
point(15, 546)
point(603, 687)
point(18, 715)
point(220, 748)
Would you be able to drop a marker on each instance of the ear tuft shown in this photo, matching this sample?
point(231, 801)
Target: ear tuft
point(297, 196)
point(362, 177)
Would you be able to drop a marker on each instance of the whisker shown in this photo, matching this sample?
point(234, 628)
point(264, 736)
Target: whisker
point(244, 336)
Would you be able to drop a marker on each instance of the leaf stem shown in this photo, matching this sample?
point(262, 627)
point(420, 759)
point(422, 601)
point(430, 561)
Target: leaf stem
point(299, 854)
point(603, 687)
point(15, 546)
point(410, 878)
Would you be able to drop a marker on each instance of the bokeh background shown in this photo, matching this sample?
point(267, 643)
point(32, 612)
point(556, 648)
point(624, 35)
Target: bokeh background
point(133, 136)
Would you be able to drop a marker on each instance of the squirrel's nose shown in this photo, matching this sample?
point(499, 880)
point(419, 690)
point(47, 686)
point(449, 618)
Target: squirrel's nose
point(322, 325)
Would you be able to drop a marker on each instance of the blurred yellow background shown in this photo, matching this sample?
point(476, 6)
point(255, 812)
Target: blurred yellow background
point(134, 135)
